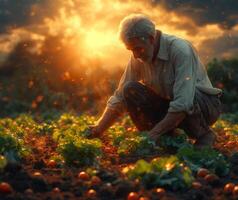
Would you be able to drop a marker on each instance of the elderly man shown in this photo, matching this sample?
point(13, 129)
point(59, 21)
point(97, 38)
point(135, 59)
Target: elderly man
point(164, 85)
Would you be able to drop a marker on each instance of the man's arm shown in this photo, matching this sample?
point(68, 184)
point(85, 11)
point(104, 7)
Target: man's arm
point(170, 121)
point(185, 65)
point(107, 119)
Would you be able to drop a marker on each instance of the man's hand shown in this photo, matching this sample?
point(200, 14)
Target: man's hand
point(155, 132)
point(170, 122)
point(106, 120)
point(93, 132)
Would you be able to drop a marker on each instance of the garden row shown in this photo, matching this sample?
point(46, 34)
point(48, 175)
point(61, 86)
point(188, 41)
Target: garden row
point(184, 169)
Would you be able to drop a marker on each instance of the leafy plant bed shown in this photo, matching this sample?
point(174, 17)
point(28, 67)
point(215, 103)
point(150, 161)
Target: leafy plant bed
point(124, 164)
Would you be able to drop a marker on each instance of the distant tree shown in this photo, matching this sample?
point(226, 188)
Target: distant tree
point(224, 75)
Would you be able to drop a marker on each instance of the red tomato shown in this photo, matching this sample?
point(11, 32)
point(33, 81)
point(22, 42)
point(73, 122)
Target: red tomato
point(91, 193)
point(210, 177)
point(83, 176)
point(129, 129)
point(144, 198)
point(5, 188)
point(56, 190)
point(228, 188)
point(96, 180)
point(220, 85)
point(235, 190)
point(51, 163)
point(37, 174)
point(160, 192)
point(132, 196)
point(196, 185)
point(202, 172)
point(28, 191)
point(109, 186)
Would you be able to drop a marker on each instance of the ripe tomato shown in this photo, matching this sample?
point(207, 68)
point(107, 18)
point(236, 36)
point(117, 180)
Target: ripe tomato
point(232, 143)
point(210, 177)
point(132, 196)
point(5, 188)
point(129, 129)
point(160, 192)
point(196, 185)
point(91, 193)
point(83, 176)
point(202, 172)
point(51, 164)
point(228, 188)
point(37, 174)
point(95, 180)
point(144, 198)
point(108, 186)
point(56, 190)
point(28, 191)
point(220, 85)
point(235, 190)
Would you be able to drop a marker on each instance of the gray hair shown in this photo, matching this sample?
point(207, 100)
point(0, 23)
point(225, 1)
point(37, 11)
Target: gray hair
point(136, 26)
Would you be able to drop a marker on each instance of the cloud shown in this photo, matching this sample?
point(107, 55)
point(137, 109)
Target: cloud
point(91, 26)
point(203, 12)
point(224, 46)
point(23, 13)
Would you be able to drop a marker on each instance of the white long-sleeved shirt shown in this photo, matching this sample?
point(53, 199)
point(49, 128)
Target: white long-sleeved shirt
point(175, 75)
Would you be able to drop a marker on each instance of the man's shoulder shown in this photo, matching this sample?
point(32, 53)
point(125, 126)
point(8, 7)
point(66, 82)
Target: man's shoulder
point(178, 44)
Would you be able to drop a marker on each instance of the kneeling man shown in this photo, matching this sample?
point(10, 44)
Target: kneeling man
point(164, 86)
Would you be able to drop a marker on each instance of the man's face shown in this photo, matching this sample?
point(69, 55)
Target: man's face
point(142, 49)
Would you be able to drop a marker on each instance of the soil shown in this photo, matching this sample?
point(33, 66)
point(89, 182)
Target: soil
point(60, 182)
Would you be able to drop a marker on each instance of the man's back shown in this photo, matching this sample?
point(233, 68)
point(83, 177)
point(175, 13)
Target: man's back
point(174, 75)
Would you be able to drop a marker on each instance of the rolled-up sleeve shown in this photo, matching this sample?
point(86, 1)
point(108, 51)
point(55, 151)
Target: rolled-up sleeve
point(185, 78)
point(115, 102)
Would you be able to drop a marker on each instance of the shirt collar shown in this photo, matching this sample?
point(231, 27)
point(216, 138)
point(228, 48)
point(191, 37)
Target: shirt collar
point(163, 50)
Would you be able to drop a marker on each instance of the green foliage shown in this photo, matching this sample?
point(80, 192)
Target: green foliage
point(130, 143)
point(117, 133)
point(80, 151)
point(226, 126)
point(3, 163)
point(70, 132)
point(230, 117)
point(162, 172)
point(29, 125)
point(206, 158)
point(11, 147)
point(224, 74)
point(70, 126)
point(168, 142)
point(127, 122)
point(12, 135)
point(138, 145)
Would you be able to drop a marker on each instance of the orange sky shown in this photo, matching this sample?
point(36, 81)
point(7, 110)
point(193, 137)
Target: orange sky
point(91, 28)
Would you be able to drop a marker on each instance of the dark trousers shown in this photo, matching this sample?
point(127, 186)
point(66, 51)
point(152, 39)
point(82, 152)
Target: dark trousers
point(146, 109)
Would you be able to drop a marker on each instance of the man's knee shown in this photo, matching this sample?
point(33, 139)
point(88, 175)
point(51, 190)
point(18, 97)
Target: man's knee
point(210, 106)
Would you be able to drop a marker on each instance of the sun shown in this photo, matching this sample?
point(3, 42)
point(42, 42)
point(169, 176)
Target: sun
point(99, 41)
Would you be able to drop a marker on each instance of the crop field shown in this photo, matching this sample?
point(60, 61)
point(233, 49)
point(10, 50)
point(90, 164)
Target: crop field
point(61, 63)
point(54, 159)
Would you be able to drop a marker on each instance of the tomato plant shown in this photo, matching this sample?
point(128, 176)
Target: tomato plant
point(162, 172)
point(206, 158)
point(138, 145)
point(169, 142)
point(80, 151)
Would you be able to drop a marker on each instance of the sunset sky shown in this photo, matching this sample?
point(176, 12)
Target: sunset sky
point(91, 26)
